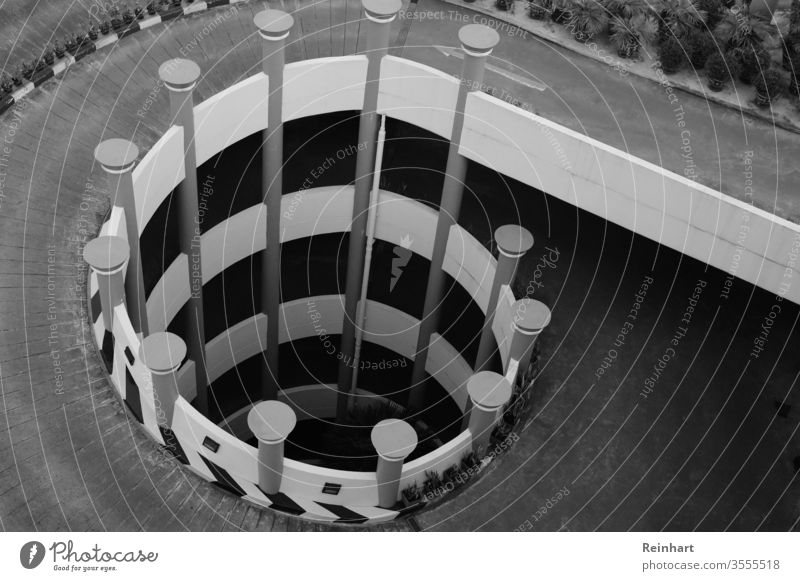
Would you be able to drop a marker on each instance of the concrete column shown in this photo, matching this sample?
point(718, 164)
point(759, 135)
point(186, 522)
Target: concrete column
point(180, 77)
point(118, 158)
point(273, 27)
point(512, 244)
point(108, 255)
point(379, 16)
point(477, 42)
point(271, 423)
point(163, 354)
point(530, 318)
point(394, 440)
point(488, 392)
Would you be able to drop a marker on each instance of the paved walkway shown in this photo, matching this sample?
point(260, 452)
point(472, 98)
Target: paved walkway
point(684, 457)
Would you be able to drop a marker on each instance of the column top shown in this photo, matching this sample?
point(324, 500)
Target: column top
point(107, 254)
point(162, 352)
point(179, 74)
point(116, 155)
point(381, 10)
point(489, 390)
point(531, 316)
point(393, 439)
point(513, 240)
point(273, 24)
point(271, 421)
point(478, 39)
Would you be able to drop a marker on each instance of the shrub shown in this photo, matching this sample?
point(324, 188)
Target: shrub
point(538, 9)
point(752, 62)
point(699, 45)
point(769, 87)
point(504, 5)
point(6, 84)
point(587, 19)
point(671, 55)
point(720, 70)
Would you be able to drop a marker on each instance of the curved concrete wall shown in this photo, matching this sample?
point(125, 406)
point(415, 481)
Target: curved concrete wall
point(418, 94)
point(157, 174)
point(324, 85)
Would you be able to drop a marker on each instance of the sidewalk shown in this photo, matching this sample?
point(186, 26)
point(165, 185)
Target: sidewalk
point(782, 114)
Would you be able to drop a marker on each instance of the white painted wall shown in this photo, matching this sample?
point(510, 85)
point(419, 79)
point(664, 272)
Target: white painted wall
point(324, 85)
point(640, 196)
point(157, 174)
point(418, 94)
point(230, 115)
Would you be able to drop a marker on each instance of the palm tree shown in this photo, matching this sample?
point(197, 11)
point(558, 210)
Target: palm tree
point(629, 8)
point(678, 17)
point(740, 29)
point(629, 34)
point(588, 18)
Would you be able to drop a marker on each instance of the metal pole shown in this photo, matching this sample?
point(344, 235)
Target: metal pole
point(379, 14)
point(180, 77)
point(477, 42)
point(373, 219)
point(273, 26)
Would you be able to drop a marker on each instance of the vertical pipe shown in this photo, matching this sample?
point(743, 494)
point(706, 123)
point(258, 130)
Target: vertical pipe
point(273, 27)
point(271, 423)
point(379, 15)
point(373, 219)
point(488, 392)
point(393, 440)
point(512, 243)
point(180, 77)
point(477, 42)
point(118, 157)
point(163, 353)
point(107, 256)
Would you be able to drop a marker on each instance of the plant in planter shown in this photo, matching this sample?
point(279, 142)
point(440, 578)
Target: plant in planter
point(432, 485)
point(70, 43)
point(128, 15)
point(92, 31)
point(49, 55)
point(671, 55)
point(6, 84)
point(539, 9)
point(115, 16)
point(752, 62)
point(151, 7)
point(59, 49)
point(138, 11)
point(105, 24)
point(469, 461)
point(17, 76)
point(504, 5)
point(40, 64)
point(411, 495)
point(769, 87)
point(176, 3)
point(699, 45)
point(630, 34)
point(450, 475)
point(720, 70)
point(588, 18)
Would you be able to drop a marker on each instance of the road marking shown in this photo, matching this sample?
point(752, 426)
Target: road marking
point(519, 79)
